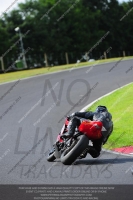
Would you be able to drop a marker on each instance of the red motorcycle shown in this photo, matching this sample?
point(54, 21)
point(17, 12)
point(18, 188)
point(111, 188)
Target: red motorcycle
point(69, 149)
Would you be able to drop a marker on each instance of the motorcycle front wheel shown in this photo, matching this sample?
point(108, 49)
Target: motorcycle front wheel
point(51, 157)
point(73, 152)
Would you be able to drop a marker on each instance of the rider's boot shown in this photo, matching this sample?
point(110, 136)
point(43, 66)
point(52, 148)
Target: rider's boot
point(70, 132)
point(91, 150)
point(71, 128)
point(84, 154)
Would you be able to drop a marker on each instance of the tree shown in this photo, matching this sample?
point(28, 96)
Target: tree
point(57, 26)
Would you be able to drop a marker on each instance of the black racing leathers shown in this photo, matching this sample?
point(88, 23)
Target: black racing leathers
point(104, 117)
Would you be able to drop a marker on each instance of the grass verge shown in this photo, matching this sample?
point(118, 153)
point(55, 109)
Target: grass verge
point(33, 72)
point(120, 105)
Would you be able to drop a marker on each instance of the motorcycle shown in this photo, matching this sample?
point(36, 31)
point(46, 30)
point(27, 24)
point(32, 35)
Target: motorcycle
point(69, 149)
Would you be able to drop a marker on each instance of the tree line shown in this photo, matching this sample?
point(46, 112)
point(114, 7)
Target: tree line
point(58, 26)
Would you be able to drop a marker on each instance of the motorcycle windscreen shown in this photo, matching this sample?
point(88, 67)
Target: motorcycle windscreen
point(92, 129)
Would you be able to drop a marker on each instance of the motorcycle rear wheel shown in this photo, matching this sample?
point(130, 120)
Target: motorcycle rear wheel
point(74, 151)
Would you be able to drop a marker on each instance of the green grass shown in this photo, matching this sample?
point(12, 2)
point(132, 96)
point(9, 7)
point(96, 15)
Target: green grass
point(33, 72)
point(120, 105)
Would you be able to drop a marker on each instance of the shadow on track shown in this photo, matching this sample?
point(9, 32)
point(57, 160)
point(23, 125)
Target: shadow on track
point(103, 161)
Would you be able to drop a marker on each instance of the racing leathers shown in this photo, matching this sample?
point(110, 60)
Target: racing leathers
point(99, 115)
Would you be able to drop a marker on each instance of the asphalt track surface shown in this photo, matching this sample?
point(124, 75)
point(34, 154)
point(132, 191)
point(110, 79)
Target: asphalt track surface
point(18, 138)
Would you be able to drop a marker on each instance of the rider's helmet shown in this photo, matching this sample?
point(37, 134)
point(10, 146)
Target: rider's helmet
point(101, 109)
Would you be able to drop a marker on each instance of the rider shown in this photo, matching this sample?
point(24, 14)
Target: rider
point(101, 114)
